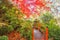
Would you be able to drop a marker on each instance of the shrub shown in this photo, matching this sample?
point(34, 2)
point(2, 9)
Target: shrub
point(5, 29)
point(3, 38)
point(26, 30)
point(46, 17)
point(49, 21)
point(54, 31)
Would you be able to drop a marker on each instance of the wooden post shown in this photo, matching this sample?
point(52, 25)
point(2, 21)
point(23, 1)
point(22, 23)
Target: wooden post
point(33, 34)
point(46, 33)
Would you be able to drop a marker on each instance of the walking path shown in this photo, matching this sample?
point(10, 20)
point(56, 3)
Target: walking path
point(38, 35)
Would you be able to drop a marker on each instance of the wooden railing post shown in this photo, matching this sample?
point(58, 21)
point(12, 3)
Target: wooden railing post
point(33, 34)
point(46, 35)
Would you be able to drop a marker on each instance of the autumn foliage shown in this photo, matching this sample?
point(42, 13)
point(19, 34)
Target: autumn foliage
point(30, 6)
point(14, 36)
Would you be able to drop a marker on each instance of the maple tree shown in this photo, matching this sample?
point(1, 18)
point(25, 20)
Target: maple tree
point(30, 6)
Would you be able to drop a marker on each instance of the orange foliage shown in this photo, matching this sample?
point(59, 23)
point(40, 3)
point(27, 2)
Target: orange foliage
point(14, 36)
point(22, 39)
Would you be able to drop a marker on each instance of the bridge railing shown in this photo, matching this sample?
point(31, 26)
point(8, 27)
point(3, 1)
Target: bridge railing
point(45, 34)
